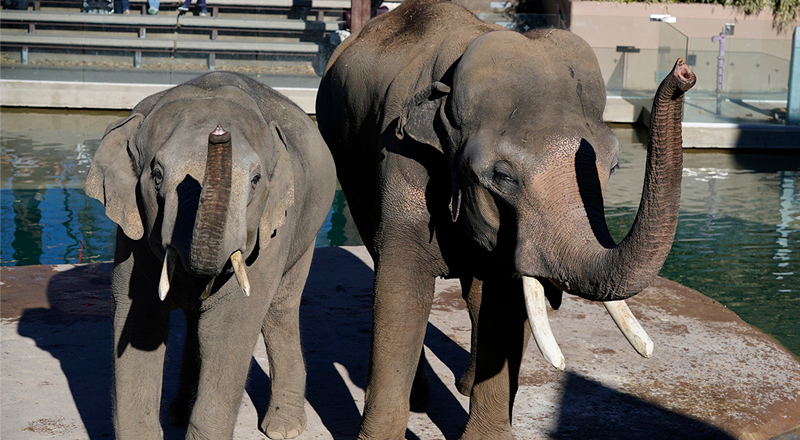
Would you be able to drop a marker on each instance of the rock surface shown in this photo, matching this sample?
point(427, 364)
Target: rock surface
point(712, 376)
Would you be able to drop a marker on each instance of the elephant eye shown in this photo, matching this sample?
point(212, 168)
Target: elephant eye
point(503, 180)
point(255, 180)
point(158, 177)
point(500, 176)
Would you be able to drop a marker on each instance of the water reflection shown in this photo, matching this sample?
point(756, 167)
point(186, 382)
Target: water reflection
point(340, 230)
point(46, 217)
point(27, 242)
point(789, 208)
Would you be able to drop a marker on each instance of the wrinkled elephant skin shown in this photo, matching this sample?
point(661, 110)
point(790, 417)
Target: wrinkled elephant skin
point(470, 151)
point(219, 186)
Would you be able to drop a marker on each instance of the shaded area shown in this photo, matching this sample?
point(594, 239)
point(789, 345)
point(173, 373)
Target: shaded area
point(73, 325)
point(590, 410)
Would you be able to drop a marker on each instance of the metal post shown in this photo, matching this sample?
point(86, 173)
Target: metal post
point(720, 68)
point(793, 99)
point(137, 59)
point(24, 57)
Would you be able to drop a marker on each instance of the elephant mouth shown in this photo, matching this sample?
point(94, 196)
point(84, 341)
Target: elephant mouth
point(171, 261)
point(534, 293)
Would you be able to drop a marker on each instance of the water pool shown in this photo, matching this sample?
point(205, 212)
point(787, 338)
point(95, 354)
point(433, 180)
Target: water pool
point(738, 238)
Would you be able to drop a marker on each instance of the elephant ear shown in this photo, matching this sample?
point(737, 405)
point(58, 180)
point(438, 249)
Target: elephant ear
point(419, 118)
point(423, 119)
point(281, 188)
point(112, 177)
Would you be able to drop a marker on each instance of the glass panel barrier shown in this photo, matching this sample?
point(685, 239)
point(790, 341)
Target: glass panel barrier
point(754, 79)
point(672, 44)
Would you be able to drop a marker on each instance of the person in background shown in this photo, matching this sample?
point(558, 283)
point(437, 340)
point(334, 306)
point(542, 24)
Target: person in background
point(153, 9)
point(201, 3)
point(22, 5)
point(121, 7)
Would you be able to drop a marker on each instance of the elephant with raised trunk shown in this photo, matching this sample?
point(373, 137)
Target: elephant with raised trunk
point(219, 187)
point(470, 151)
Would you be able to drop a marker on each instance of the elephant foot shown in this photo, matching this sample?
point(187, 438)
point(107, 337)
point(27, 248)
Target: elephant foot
point(488, 427)
point(180, 411)
point(284, 421)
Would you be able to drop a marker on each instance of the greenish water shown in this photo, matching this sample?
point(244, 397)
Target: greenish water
point(738, 238)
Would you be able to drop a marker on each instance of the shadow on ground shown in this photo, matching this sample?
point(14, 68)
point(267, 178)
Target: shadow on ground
point(335, 325)
point(591, 411)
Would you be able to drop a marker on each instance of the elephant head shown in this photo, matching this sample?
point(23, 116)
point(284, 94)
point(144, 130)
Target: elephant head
point(530, 156)
point(200, 175)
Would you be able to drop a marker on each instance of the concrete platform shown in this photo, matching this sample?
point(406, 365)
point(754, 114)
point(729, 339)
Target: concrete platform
point(628, 109)
point(107, 96)
point(712, 376)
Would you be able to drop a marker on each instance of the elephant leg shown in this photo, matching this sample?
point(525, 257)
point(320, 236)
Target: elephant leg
point(403, 297)
point(286, 416)
point(181, 407)
point(471, 291)
point(227, 332)
point(141, 327)
point(498, 353)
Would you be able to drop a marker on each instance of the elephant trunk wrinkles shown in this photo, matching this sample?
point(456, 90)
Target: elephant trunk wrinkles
point(626, 269)
point(212, 211)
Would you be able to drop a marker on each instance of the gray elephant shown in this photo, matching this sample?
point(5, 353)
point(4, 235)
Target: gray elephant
point(470, 151)
point(219, 187)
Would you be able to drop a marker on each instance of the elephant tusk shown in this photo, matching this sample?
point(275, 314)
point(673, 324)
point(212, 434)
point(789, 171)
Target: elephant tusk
point(166, 273)
point(207, 292)
point(241, 274)
point(540, 325)
point(630, 327)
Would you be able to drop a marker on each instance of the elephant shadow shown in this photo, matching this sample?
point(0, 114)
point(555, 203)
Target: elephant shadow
point(592, 411)
point(75, 328)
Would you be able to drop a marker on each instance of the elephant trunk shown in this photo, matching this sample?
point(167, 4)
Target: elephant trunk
point(603, 271)
point(212, 210)
point(616, 272)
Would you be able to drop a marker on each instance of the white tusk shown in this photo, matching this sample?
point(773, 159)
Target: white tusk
point(241, 274)
point(166, 273)
point(630, 327)
point(206, 293)
point(540, 325)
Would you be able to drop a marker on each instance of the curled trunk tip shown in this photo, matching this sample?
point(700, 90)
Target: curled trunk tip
point(683, 73)
point(219, 136)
